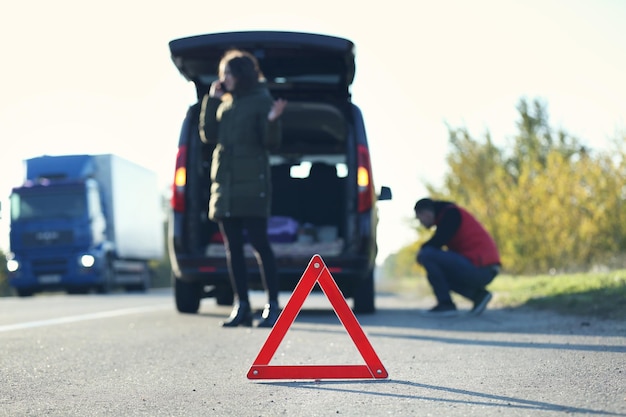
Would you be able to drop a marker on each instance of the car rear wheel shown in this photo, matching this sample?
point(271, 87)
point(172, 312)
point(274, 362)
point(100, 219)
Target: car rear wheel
point(363, 295)
point(187, 296)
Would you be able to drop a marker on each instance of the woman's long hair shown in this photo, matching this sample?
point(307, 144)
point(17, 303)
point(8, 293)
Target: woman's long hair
point(244, 67)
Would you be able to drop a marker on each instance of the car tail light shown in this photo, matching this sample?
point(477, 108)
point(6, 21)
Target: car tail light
point(180, 180)
point(364, 180)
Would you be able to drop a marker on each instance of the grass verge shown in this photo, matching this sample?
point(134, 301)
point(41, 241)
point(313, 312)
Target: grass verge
point(601, 295)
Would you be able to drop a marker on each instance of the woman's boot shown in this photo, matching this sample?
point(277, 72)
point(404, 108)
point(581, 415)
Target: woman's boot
point(240, 316)
point(270, 314)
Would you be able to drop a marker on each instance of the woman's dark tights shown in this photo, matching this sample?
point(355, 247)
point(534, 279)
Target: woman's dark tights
point(233, 232)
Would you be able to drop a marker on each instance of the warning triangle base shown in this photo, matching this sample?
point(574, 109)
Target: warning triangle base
point(317, 272)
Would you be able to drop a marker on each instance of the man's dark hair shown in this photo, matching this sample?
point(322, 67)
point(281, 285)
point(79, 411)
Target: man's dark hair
point(425, 204)
point(245, 68)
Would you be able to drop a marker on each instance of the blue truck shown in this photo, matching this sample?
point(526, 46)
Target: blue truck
point(80, 223)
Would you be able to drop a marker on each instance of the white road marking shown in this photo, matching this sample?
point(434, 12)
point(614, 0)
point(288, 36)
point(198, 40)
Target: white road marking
point(83, 317)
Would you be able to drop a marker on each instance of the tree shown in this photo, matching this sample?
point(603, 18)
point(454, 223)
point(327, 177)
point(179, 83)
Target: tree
point(550, 202)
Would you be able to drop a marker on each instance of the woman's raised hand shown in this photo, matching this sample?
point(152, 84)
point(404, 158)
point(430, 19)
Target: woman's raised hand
point(277, 109)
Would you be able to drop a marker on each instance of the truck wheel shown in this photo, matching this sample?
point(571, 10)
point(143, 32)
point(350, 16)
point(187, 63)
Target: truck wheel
point(225, 297)
point(187, 295)
point(78, 290)
point(108, 275)
point(363, 295)
point(147, 280)
point(144, 286)
point(24, 292)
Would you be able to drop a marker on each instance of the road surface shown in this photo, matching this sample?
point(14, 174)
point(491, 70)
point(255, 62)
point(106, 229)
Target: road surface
point(134, 355)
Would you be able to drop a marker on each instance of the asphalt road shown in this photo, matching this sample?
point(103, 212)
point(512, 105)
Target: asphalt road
point(134, 355)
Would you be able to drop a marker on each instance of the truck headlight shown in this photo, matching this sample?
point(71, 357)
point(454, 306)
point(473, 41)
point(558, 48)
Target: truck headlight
point(87, 261)
point(12, 265)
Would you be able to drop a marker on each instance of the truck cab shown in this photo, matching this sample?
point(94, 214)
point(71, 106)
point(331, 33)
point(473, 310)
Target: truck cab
point(77, 225)
point(50, 222)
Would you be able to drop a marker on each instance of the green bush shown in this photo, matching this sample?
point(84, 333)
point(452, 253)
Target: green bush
point(161, 273)
point(4, 285)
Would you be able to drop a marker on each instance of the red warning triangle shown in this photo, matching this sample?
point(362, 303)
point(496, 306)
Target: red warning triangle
point(317, 271)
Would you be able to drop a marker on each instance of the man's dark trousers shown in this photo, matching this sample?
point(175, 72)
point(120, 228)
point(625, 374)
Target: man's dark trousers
point(448, 271)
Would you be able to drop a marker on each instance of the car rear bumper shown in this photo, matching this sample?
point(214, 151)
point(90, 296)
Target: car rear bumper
point(214, 271)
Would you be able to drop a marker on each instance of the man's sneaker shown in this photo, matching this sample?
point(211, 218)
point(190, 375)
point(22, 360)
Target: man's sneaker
point(441, 310)
point(480, 302)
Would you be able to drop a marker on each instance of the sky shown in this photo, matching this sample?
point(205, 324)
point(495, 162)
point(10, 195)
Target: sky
point(96, 77)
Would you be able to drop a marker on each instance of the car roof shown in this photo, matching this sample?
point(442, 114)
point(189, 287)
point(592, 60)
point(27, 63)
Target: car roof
point(290, 61)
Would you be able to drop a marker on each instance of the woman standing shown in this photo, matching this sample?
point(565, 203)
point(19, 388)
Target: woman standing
point(240, 116)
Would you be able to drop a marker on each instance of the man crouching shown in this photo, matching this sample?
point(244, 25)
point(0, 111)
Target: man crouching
point(470, 262)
